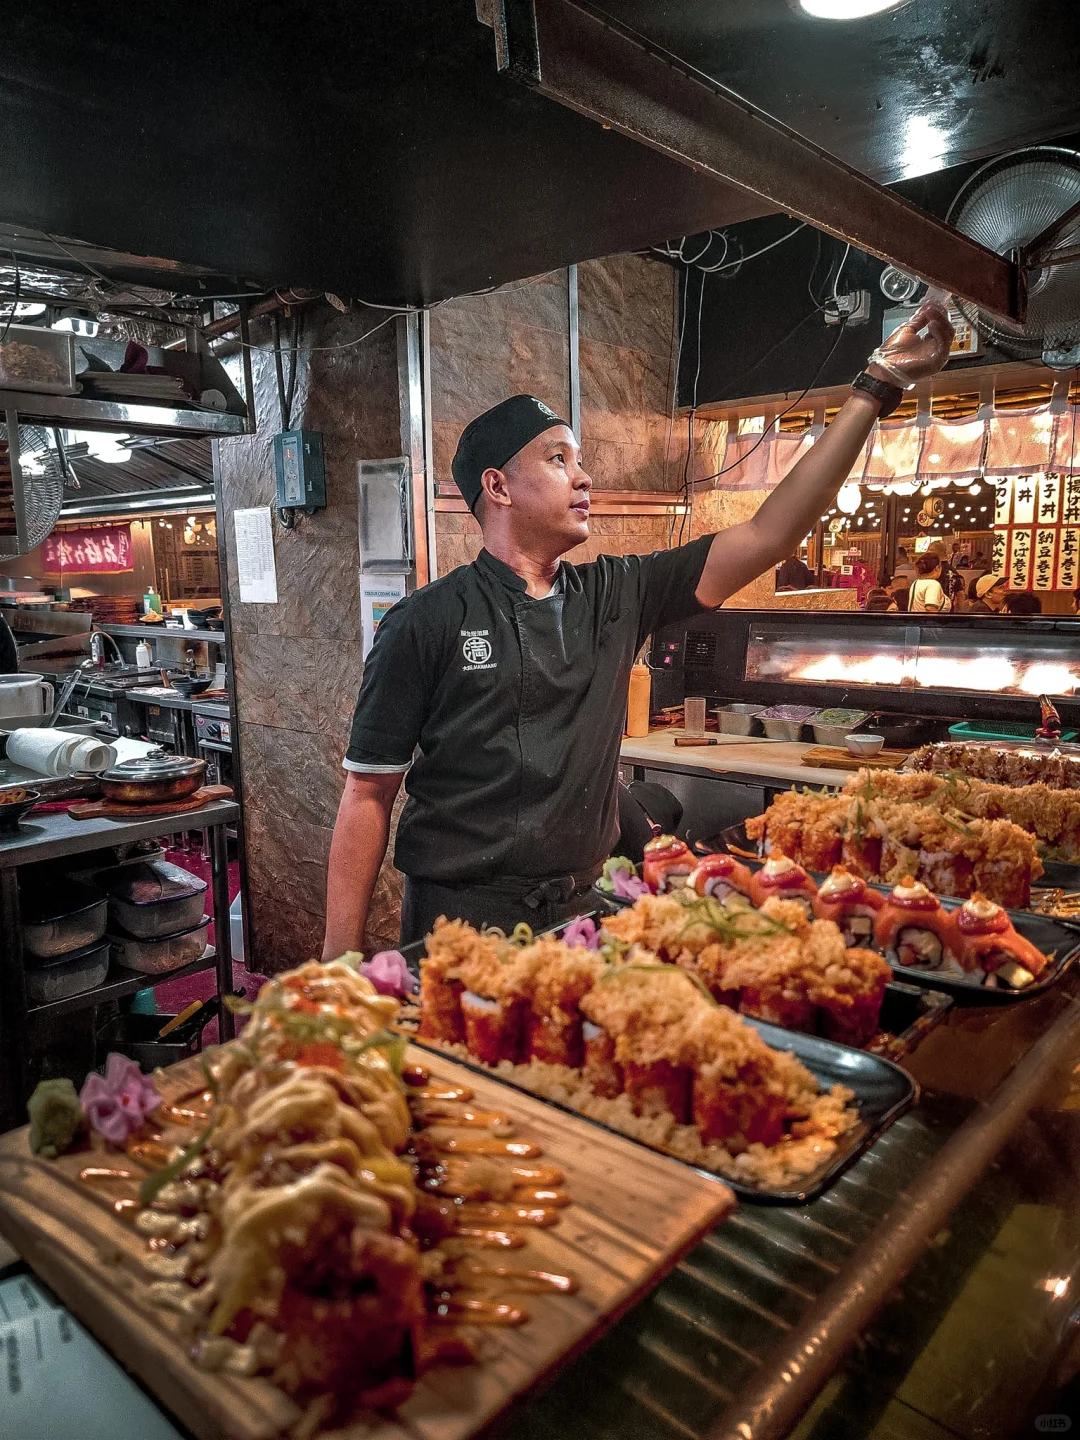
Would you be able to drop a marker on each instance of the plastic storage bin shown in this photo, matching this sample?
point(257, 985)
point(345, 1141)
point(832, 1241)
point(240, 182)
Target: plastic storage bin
point(148, 901)
point(59, 976)
point(160, 955)
point(39, 360)
point(69, 917)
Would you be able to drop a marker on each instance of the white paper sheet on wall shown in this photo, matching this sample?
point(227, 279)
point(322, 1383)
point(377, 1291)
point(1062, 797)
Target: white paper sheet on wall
point(255, 567)
point(377, 594)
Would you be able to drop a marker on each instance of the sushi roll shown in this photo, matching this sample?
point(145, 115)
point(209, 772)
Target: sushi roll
point(656, 1086)
point(860, 854)
point(555, 977)
point(600, 1070)
point(724, 1109)
point(989, 943)
point(720, 876)
point(782, 877)
point(946, 872)
point(440, 1005)
point(850, 903)
point(666, 864)
point(784, 1002)
point(913, 926)
point(493, 1026)
point(849, 991)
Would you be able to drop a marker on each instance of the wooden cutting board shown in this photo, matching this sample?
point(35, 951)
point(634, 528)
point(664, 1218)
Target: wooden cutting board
point(117, 810)
point(634, 1215)
point(835, 757)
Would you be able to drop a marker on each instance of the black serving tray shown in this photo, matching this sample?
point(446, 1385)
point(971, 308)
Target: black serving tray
point(882, 1090)
point(882, 1093)
point(1059, 938)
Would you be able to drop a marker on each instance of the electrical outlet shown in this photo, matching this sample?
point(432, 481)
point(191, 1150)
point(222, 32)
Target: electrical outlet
point(853, 307)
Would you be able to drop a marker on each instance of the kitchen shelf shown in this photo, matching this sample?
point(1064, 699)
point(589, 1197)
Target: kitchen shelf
point(85, 414)
point(162, 632)
point(117, 983)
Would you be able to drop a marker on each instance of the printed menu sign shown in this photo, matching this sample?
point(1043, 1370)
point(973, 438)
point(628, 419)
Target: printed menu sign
point(94, 550)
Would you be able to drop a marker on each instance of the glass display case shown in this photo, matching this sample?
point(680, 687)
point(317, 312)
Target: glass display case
point(916, 657)
point(964, 666)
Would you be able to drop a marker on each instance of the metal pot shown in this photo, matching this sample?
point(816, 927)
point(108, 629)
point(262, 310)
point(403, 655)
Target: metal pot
point(150, 781)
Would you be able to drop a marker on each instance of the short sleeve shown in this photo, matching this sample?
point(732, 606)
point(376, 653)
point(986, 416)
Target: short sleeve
point(666, 582)
point(393, 699)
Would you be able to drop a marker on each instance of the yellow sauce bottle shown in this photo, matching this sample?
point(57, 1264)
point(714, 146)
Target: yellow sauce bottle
point(637, 708)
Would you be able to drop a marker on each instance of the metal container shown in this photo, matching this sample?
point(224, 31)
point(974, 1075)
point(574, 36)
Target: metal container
point(149, 901)
point(167, 952)
point(61, 976)
point(152, 780)
point(136, 1035)
point(71, 918)
point(782, 729)
point(737, 719)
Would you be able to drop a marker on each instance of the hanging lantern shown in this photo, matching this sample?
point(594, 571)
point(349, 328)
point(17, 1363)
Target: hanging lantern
point(849, 499)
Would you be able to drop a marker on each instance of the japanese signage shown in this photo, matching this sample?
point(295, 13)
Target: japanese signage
point(97, 550)
point(1037, 532)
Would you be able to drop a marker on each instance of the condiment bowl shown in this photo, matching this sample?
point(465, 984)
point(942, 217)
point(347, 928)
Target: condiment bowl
point(864, 744)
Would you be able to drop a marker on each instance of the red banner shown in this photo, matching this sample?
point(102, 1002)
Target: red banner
point(97, 550)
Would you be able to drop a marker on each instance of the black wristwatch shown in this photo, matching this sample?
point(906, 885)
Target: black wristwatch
point(889, 395)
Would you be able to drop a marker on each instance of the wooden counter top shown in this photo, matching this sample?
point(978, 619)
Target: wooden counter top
point(734, 755)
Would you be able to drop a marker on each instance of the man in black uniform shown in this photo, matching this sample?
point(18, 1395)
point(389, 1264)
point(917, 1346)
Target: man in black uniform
point(501, 688)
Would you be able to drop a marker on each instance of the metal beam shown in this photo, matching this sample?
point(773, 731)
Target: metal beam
point(588, 65)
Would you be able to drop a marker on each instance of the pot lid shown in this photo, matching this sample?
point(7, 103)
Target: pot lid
point(151, 767)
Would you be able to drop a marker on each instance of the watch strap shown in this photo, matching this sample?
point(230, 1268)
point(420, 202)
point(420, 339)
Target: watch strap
point(888, 396)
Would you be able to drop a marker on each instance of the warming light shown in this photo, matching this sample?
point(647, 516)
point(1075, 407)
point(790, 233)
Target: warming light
point(845, 9)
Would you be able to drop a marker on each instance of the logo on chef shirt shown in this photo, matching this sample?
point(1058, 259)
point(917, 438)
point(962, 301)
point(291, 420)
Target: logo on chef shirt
point(476, 648)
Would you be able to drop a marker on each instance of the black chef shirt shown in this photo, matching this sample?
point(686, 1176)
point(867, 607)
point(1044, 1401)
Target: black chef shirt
point(517, 707)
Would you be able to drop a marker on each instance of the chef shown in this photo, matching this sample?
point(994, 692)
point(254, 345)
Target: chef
point(500, 689)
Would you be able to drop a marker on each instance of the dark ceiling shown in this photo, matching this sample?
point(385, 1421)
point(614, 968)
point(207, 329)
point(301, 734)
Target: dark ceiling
point(372, 149)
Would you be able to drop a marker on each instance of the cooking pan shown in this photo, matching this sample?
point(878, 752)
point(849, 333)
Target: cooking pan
point(152, 780)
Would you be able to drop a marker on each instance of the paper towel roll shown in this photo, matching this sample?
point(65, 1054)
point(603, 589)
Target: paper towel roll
point(58, 752)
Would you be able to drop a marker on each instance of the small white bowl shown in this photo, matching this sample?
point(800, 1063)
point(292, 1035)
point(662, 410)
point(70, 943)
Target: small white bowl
point(864, 744)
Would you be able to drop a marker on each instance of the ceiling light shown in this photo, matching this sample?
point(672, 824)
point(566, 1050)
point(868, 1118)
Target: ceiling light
point(849, 499)
point(845, 9)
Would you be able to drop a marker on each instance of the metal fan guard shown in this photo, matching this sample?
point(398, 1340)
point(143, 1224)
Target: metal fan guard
point(42, 495)
point(1005, 205)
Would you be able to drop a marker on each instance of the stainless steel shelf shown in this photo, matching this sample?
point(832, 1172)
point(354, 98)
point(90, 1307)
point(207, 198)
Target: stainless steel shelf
point(85, 414)
point(162, 632)
point(118, 982)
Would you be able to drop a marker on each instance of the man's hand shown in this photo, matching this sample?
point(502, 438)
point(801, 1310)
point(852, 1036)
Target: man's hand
point(913, 356)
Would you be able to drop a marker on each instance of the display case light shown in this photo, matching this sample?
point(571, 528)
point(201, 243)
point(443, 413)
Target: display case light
point(845, 9)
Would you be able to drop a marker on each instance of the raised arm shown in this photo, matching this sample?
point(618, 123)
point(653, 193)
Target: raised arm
point(745, 551)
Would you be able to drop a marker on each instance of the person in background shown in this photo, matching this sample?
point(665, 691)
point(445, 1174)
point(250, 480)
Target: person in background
point(927, 595)
point(794, 574)
point(899, 588)
point(902, 561)
point(1076, 601)
point(1022, 602)
point(949, 580)
point(987, 594)
point(879, 600)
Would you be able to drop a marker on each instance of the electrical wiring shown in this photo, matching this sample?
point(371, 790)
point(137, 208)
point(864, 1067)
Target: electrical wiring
point(797, 401)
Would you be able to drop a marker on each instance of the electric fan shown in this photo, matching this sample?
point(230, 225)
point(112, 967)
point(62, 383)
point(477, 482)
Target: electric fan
point(37, 491)
point(1028, 203)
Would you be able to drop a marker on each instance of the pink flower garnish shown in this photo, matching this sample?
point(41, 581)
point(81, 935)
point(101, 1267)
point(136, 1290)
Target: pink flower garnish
point(582, 934)
point(119, 1101)
point(628, 887)
point(389, 972)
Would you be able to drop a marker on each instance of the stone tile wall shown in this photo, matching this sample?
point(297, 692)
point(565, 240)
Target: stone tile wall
point(298, 664)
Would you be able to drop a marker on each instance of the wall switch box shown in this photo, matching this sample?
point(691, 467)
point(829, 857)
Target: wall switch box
point(301, 477)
